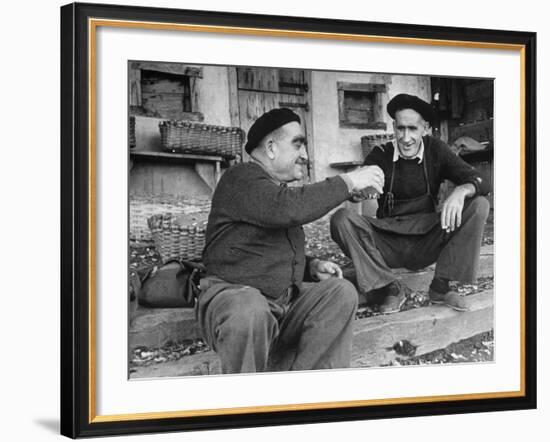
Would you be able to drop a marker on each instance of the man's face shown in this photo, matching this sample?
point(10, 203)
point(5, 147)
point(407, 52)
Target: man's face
point(408, 127)
point(289, 153)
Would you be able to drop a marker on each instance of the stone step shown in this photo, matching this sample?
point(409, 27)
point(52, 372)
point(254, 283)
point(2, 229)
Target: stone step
point(154, 328)
point(427, 328)
point(420, 280)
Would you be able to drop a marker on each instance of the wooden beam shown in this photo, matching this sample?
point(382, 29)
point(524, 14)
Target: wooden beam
point(346, 165)
point(176, 156)
point(370, 125)
point(361, 87)
point(428, 328)
point(134, 78)
point(233, 96)
point(169, 68)
point(309, 128)
point(209, 173)
point(154, 327)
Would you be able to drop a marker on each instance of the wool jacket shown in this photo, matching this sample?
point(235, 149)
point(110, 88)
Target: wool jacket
point(442, 164)
point(254, 234)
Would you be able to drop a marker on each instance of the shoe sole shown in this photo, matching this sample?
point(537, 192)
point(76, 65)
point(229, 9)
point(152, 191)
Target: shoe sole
point(454, 307)
point(398, 309)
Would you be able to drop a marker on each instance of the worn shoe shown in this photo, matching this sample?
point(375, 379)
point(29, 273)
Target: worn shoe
point(450, 299)
point(395, 298)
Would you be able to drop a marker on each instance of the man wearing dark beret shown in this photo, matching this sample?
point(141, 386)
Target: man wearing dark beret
point(408, 231)
point(255, 310)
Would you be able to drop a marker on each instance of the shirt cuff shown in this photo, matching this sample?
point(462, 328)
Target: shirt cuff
point(348, 182)
point(476, 182)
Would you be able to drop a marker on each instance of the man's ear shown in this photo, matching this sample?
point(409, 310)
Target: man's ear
point(270, 149)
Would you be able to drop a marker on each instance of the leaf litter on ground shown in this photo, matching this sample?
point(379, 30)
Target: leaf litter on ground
point(320, 244)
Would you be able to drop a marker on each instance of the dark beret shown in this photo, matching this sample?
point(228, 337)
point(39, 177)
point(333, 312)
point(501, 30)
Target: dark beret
point(406, 101)
point(266, 124)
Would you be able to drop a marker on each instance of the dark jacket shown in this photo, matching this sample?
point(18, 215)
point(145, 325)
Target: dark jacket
point(442, 164)
point(255, 235)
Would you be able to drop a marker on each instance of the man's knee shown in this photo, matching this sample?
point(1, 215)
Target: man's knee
point(339, 218)
point(342, 221)
point(479, 208)
point(344, 293)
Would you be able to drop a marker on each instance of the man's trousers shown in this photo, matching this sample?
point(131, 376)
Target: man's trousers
point(252, 333)
point(375, 252)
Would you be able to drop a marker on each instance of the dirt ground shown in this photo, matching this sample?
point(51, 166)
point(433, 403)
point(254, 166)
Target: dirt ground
point(478, 348)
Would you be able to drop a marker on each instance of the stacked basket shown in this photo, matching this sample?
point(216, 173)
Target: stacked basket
point(368, 142)
point(201, 139)
point(143, 207)
point(179, 236)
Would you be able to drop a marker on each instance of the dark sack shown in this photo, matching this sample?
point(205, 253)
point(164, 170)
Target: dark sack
point(175, 284)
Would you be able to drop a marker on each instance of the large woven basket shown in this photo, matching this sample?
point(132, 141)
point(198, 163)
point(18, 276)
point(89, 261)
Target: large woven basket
point(179, 236)
point(142, 208)
point(201, 139)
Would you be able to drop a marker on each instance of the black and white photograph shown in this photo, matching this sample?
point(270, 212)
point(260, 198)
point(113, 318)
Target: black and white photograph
point(275, 220)
point(285, 219)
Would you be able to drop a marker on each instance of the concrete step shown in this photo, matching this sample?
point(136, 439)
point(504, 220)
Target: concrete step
point(427, 328)
point(420, 280)
point(154, 328)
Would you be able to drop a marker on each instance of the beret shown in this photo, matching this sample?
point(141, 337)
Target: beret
point(406, 101)
point(266, 124)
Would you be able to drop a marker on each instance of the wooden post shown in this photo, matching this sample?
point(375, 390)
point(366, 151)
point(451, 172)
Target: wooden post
point(217, 172)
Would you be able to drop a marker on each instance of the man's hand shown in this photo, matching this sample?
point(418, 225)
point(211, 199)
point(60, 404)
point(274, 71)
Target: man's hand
point(451, 214)
point(367, 176)
point(321, 270)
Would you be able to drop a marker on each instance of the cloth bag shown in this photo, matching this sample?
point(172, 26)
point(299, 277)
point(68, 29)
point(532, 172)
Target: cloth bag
point(174, 285)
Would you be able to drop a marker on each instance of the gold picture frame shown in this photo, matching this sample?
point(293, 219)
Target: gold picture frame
point(79, 27)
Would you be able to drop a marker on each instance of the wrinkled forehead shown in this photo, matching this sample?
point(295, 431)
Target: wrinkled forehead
point(408, 117)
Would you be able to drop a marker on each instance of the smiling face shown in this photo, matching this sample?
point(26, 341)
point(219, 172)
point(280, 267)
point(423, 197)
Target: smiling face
point(287, 152)
point(409, 127)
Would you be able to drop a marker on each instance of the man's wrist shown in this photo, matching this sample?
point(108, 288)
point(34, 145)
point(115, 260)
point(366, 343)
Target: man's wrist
point(467, 190)
point(313, 262)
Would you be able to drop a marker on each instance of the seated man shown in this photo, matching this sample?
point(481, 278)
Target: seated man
point(407, 231)
point(254, 309)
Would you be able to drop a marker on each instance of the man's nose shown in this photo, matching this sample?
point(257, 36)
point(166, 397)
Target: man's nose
point(406, 135)
point(303, 152)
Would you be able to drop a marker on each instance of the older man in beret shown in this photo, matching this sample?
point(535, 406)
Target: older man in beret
point(408, 231)
point(255, 309)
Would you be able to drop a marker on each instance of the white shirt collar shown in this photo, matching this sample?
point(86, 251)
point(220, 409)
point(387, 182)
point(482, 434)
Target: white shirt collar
point(419, 155)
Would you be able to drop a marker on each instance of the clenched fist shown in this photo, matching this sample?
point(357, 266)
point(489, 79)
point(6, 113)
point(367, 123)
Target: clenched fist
point(321, 270)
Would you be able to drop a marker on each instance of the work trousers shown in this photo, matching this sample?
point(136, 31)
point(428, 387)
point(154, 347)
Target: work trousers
point(251, 333)
point(375, 252)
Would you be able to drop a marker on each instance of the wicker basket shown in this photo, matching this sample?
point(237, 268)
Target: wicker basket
point(132, 132)
point(142, 208)
point(368, 142)
point(201, 139)
point(178, 236)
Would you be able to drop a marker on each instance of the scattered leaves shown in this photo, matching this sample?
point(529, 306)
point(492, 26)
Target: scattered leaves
point(170, 352)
